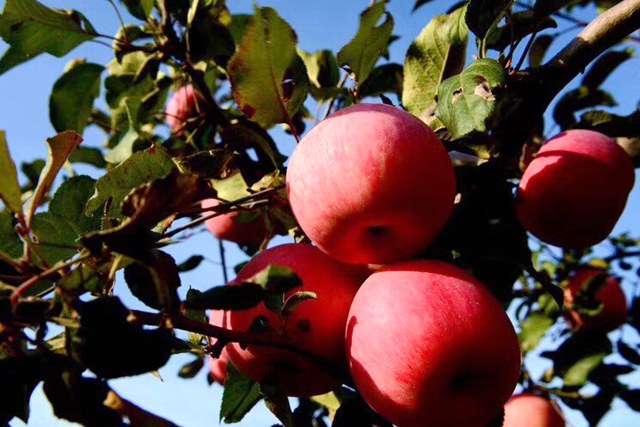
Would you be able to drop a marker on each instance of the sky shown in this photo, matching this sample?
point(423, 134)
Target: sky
point(319, 24)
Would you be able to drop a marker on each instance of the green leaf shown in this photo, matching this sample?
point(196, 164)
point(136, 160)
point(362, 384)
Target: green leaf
point(10, 243)
point(31, 28)
point(191, 369)
point(278, 403)
point(89, 155)
point(578, 374)
point(533, 329)
point(629, 353)
point(32, 171)
point(20, 376)
point(142, 167)
point(73, 95)
point(483, 15)
point(268, 78)
point(190, 263)
point(324, 74)
point(420, 3)
point(369, 43)
point(236, 297)
point(239, 25)
point(141, 9)
point(59, 148)
point(604, 66)
point(579, 99)
point(295, 300)
point(84, 278)
point(538, 49)
point(330, 401)
point(231, 188)
point(276, 279)
point(438, 53)
point(240, 395)
point(128, 134)
point(387, 78)
point(155, 281)
point(467, 101)
point(10, 192)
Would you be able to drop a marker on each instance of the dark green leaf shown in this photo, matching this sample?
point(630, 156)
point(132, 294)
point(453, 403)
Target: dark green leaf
point(210, 41)
point(631, 398)
point(295, 300)
point(519, 26)
point(10, 243)
point(237, 297)
point(88, 155)
point(191, 369)
point(420, 3)
point(276, 279)
point(155, 281)
point(611, 124)
point(324, 74)
point(32, 171)
point(483, 15)
point(604, 66)
point(278, 403)
point(239, 397)
point(31, 28)
point(10, 193)
point(190, 263)
point(239, 25)
point(72, 97)
point(629, 353)
point(369, 43)
point(141, 9)
point(467, 101)
point(576, 100)
point(387, 78)
point(84, 278)
point(20, 375)
point(435, 55)
point(538, 49)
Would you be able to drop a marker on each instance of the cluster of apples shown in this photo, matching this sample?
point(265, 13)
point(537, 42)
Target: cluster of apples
point(425, 343)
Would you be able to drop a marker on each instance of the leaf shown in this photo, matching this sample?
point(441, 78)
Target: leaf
point(10, 243)
point(276, 279)
point(578, 373)
point(59, 149)
point(155, 281)
point(518, 26)
point(240, 395)
point(467, 101)
point(231, 188)
point(10, 192)
point(84, 278)
point(143, 166)
point(236, 297)
point(369, 43)
point(191, 369)
point(538, 49)
point(438, 53)
point(632, 398)
point(20, 376)
point(330, 401)
point(73, 95)
point(611, 124)
point(579, 99)
point(483, 15)
point(420, 3)
point(268, 78)
point(323, 72)
point(291, 303)
point(31, 28)
point(533, 329)
point(190, 263)
point(628, 353)
point(128, 134)
point(89, 155)
point(136, 416)
point(141, 9)
point(278, 403)
point(604, 66)
point(387, 78)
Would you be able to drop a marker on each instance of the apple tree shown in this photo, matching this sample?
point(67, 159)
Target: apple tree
point(480, 76)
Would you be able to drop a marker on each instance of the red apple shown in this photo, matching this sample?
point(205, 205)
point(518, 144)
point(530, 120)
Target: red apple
point(572, 194)
point(371, 184)
point(228, 227)
point(530, 410)
point(185, 103)
point(218, 366)
point(316, 326)
point(428, 345)
point(609, 294)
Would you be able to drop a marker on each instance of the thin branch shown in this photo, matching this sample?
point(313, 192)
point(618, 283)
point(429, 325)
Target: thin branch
point(223, 261)
point(622, 255)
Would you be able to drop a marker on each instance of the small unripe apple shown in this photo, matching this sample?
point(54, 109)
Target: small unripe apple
point(428, 345)
point(228, 227)
point(371, 184)
point(315, 326)
point(530, 410)
point(609, 294)
point(572, 194)
point(218, 366)
point(185, 103)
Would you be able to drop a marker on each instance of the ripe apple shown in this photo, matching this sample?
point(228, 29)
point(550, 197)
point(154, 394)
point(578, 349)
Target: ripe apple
point(185, 103)
point(609, 294)
point(371, 184)
point(227, 226)
point(428, 345)
point(316, 326)
point(218, 366)
point(572, 194)
point(530, 410)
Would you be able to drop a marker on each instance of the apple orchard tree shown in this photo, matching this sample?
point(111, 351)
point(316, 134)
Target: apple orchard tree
point(431, 218)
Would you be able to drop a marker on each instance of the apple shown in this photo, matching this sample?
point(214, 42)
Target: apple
point(428, 345)
point(575, 189)
point(218, 366)
point(614, 304)
point(315, 326)
point(530, 410)
point(185, 103)
point(371, 184)
point(228, 227)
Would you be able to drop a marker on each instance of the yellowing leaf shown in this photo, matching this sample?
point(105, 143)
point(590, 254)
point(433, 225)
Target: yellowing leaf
point(9, 187)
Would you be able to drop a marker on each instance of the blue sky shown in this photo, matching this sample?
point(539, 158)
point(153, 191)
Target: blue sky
point(319, 24)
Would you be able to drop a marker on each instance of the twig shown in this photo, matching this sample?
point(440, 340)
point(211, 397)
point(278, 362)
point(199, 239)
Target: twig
point(622, 255)
point(120, 20)
point(223, 261)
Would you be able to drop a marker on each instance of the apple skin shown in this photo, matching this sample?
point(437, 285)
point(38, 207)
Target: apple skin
point(428, 345)
point(218, 366)
point(371, 184)
point(226, 226)
point(316, 326)
point(572, 194)
point(614, 303)
point(530, 410)
point(185, 103)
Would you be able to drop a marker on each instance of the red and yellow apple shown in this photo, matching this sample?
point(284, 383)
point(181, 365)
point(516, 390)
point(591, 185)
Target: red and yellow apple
point(572, 194)
point(185, 103)
point(609, 294)
point(315, 326)
point(371, 184)
point(228, 227)
point(428, 345)
point(530, 410)
point(218, 366)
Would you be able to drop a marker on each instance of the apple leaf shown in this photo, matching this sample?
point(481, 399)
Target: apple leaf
point(155, 281)
point(73, 95)
point(128, 135)
point(420, 3)
point(83, 278)
point(59, 149)
point(240, 395)
point(467, 101)
point(20, 376)
point(632, 398)
point(10, 192)
point(88, 155)
point(277, 402)
point(369, 43)
point(324, 74)
point(231, 188)
point(538, 49)
point(387, 78)
point(328, 400)
point(533, 329)
point(10, 244)
point(143, 166)
point(31, 28)
point(579, 99)
point(291, 303)
point(438, 53)
point(141, 9)
point(276, 279)
point(604, 66)
point(628, 353)
point(268, 78)
point(483, 15)
point(236, 297)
